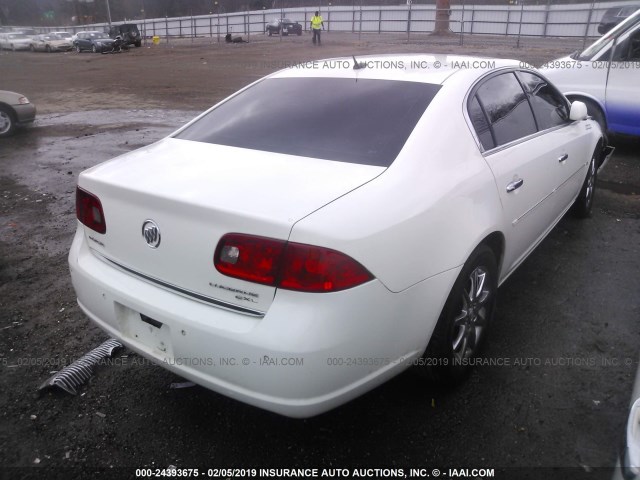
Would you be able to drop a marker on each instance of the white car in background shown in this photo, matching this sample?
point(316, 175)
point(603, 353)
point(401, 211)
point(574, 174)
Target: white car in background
point(14, 41)
point(606, 77)
point(64, 34)
point(294, 258)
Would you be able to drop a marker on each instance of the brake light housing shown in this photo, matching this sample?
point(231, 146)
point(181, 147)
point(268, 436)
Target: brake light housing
point(287, 265)
point(89, 211)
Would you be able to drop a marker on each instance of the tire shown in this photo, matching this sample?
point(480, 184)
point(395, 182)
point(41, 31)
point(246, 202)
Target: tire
point(138, 44)
point(32, 48)
point(13, 48)
point(269, 32)
point(584, 202)
point(78, 49)
point(462, 325)
point(47, 49)
point(94, 49)
point(7, 122)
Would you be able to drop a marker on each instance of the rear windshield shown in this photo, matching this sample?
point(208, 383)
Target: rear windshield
point(364, 121)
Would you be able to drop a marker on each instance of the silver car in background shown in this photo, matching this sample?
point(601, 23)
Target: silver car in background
point(14, 41)
point(49, 42)
point(15, 111)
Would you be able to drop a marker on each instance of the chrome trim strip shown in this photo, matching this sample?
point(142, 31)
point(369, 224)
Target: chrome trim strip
point(531, 209)
point(467, 119)
point(520, 140)
point(554, 191)
point(182, 291)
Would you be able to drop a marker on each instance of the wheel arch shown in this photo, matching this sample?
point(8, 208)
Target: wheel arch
point(496, 242)
point(10, 109)
point(585, 97)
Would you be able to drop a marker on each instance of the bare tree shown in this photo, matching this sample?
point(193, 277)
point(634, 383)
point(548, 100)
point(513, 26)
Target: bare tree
point(442, 17)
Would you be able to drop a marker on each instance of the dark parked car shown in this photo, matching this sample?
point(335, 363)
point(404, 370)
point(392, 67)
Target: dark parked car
point(128, 32)
point(94, 41)
point(284, 26)
point(613, 16)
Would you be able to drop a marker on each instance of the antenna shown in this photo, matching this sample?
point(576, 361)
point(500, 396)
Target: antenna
point(358, 65)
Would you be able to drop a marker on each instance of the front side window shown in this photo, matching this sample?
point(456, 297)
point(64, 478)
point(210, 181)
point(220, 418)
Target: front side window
point(549, 106)
point(350, 120)
point(507, 108)
point(600, 48)
point(627, 47)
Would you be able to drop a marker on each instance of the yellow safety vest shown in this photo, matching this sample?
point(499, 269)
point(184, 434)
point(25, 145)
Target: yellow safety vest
point(316, 22)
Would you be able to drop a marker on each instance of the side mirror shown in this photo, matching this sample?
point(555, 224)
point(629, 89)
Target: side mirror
point(578, 111)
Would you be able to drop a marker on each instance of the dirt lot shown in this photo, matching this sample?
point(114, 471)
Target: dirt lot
point(577, 297)
point(185, 74)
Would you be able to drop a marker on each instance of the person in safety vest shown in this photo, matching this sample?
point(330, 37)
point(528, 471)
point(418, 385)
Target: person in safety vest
point(316, 25)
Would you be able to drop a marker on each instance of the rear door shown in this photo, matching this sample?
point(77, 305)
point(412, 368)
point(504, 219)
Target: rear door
point(82, 41)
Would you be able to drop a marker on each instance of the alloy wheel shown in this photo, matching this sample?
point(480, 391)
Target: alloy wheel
point(470, 322)
point(5, 122)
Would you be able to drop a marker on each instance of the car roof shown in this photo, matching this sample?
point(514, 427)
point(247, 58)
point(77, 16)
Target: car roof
point(425, 68)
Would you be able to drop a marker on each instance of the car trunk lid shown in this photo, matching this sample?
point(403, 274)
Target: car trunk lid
point(195, 193)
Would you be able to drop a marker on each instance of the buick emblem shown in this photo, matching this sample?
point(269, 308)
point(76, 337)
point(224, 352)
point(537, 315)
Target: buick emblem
point(151, 233)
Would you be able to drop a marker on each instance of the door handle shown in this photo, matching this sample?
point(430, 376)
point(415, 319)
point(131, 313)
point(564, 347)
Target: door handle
point(515, 185)
point(562, 158)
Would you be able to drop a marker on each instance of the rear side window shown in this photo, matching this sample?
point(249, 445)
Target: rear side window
point(507, 108)
point(480, 124)
point(361, 121)
point(549, 106)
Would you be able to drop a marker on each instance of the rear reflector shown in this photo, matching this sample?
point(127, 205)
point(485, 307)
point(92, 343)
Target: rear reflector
point(89, 211)
point(292, 266)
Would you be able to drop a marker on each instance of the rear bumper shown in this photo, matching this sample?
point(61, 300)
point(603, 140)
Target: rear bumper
point(104, 47)
point(308, 354)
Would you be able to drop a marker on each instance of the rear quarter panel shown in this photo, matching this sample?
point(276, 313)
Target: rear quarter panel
point(426, 213)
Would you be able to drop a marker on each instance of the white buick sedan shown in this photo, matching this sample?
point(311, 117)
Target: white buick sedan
point(330, 225)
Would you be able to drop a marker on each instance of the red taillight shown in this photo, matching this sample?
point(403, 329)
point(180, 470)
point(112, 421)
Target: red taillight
point(293, 266)
point(250, 258)
point(316, 269)
point(89, 211)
